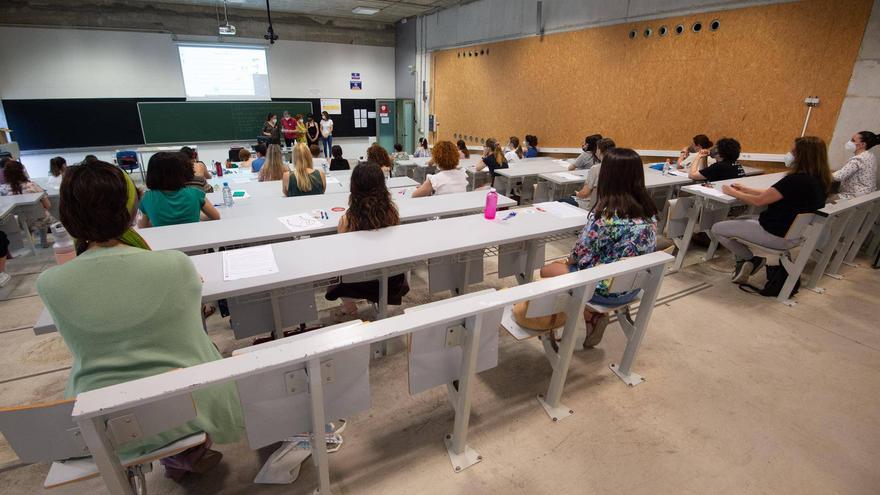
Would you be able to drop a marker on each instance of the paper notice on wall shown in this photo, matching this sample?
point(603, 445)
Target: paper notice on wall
point(386, 120)
point(332, 106)
point(371, 115)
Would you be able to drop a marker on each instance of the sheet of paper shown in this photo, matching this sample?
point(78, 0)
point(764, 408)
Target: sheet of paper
point(300, 222)
point(371, 115)
point(560, 210)
point(249, 262)
point(569, 176)
point(333, 180)
point(561, 163)
point(711, 191)
point(679, 173)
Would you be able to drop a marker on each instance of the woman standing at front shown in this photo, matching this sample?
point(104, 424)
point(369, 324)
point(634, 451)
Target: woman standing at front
point(288, 127)
point(326, 133)
point(313, 132)
point(271, 133)
point(859, 175)
point(114, 341)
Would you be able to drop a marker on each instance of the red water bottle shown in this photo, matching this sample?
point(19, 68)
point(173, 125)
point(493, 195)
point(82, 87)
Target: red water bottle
point(218, 167)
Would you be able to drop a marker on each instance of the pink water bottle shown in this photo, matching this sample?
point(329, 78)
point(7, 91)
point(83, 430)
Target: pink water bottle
point(63, 246)
point(491, 204)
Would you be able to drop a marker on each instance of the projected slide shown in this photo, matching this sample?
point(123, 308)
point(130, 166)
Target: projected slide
point(224, 73)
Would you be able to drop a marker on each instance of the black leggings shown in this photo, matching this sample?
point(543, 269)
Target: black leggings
point(4, 244)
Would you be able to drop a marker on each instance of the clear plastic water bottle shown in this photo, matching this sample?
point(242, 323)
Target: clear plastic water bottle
point(227, 195)
point(63, 246)
point(324, 166)
point(666, 167)
point(491, 204)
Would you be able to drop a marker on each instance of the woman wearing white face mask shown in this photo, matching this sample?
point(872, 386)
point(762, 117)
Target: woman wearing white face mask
point(859, 175)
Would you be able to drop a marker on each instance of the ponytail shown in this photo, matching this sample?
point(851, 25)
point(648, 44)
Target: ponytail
point(870, 139)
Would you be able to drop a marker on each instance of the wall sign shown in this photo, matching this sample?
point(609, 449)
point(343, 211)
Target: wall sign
point(355, 85)
point(333, 106)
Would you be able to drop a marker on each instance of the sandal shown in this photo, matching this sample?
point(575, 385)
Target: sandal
point(598, 322)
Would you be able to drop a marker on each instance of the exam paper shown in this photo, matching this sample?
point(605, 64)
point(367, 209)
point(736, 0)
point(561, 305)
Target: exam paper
point(333, 180)
point(711, 191)
point(249, 262)
point(569, 176)
point(300, 222)
point(560, 210)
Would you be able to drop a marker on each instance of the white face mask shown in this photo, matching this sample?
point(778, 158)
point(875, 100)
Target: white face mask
point(788, 159)
point(850, 146)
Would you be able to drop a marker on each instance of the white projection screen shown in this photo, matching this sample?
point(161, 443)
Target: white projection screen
point(216, 72)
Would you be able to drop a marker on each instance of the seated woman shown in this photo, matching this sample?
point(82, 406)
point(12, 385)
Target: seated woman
point(803, 190)
point(463, 151)
point(318, 161)
point(304, 180)
point(689, 153)
point(273, 168)
point(113, 341)
point(513, 151)
point(245, 159)
point(621, 225)
point(588, 192)
point(531, 146)
point(377, 154)
point(57, 166)
point(399, 154)
point(588, 158)
point(450, 179)
point(726, 166)
point(859, 175)
point(493, 158)
point(422, 150)
point(369, 208)
point(169, 201)
point(338, 163)
point(201, 174)
point(17, 182)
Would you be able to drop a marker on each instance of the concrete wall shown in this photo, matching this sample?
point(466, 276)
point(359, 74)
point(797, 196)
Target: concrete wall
point(131, 15)
point(405, 56)
point(73, 63)
point(861, 107)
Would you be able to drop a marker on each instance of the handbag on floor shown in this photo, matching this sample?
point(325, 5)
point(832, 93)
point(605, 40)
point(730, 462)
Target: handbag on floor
point(776, 276)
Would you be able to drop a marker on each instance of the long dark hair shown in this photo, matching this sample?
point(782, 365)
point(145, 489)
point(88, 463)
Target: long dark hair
point(92, 203)
point(57, 166)
point(462, 146)
point(369, 205)
point(13, 171)
point(811, 158)
point(621, 188)
point(869, 138)
point(169, 171)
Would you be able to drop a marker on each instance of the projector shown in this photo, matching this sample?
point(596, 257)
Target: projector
point(227, 30)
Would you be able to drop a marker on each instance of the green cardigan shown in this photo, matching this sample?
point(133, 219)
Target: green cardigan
point(126, 313)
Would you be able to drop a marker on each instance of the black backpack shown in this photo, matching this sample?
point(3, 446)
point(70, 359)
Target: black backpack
point(776, 276)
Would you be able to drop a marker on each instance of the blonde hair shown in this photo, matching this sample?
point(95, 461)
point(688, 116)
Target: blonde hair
point(302, 162)
point(273, 168)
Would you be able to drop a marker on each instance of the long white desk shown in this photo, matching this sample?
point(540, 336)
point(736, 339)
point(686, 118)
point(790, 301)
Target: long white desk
point(337, 183)
point(235, 228)
point(376, 255)
point(714, 206)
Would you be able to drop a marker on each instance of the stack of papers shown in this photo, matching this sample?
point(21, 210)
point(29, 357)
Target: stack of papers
point(249, 262)
point(569, 176)
point(300, 222)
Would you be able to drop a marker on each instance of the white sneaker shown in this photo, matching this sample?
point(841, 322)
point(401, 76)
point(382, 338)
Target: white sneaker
point(4, 278)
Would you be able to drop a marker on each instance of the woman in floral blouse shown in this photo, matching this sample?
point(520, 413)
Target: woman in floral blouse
point(622, 224)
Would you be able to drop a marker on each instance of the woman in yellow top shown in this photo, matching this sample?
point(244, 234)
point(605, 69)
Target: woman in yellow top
point(300, 129)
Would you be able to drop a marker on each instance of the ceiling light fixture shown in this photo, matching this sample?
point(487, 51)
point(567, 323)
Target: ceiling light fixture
point(364, 10)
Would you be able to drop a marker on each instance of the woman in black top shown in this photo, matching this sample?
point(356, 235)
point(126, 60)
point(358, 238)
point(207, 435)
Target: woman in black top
point(803, 190)
point(338, 163)
point(313, 132)
point(493, 157)
point(726, 153)
point(271, 133)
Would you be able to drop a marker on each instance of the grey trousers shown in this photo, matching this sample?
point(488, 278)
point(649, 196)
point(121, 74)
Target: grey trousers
point(746, 228)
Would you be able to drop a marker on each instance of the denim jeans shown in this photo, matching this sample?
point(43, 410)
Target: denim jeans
point(327, 143)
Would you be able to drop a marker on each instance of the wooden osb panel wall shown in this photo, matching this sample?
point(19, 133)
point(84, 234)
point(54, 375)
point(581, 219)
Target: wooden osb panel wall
point(746, 80)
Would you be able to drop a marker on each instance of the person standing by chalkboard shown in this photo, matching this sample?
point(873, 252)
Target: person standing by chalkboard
point(300, 134)
point(326, 133)
point(271, 133)
point(313, 132)
point(288, 127)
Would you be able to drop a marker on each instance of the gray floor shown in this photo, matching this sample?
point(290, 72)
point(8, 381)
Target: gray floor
point(743, 395)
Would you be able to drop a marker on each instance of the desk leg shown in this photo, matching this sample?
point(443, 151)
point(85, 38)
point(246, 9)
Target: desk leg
point(278, 331)
point(114, 475)
point(635, 330)
point(380, 349)
point(664, 213)
point(685, 241)
point(460, 454)
point(796, 268)
point(827, 250)
point(573, 312)
point(713, 245)
point(866, 226)
point(849, 233)
point(465, 278)
point(528, 272)
point(318, 443)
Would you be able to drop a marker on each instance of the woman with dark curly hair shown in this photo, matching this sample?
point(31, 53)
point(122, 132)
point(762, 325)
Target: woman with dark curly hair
point(378, 155)
point(369, 208)
point(450, 178)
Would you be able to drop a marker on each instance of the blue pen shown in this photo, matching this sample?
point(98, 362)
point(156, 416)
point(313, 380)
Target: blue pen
point(509, 216)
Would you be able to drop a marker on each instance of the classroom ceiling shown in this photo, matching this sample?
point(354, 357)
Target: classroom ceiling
point(389, 10)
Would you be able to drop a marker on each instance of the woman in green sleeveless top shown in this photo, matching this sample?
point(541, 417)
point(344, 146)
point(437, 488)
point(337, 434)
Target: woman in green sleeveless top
point(304, 180)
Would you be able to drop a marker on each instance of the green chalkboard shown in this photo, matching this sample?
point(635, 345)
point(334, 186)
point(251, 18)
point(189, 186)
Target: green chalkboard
point(177, 122)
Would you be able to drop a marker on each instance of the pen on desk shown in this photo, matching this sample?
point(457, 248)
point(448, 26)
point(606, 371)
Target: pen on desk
point(509, 216)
